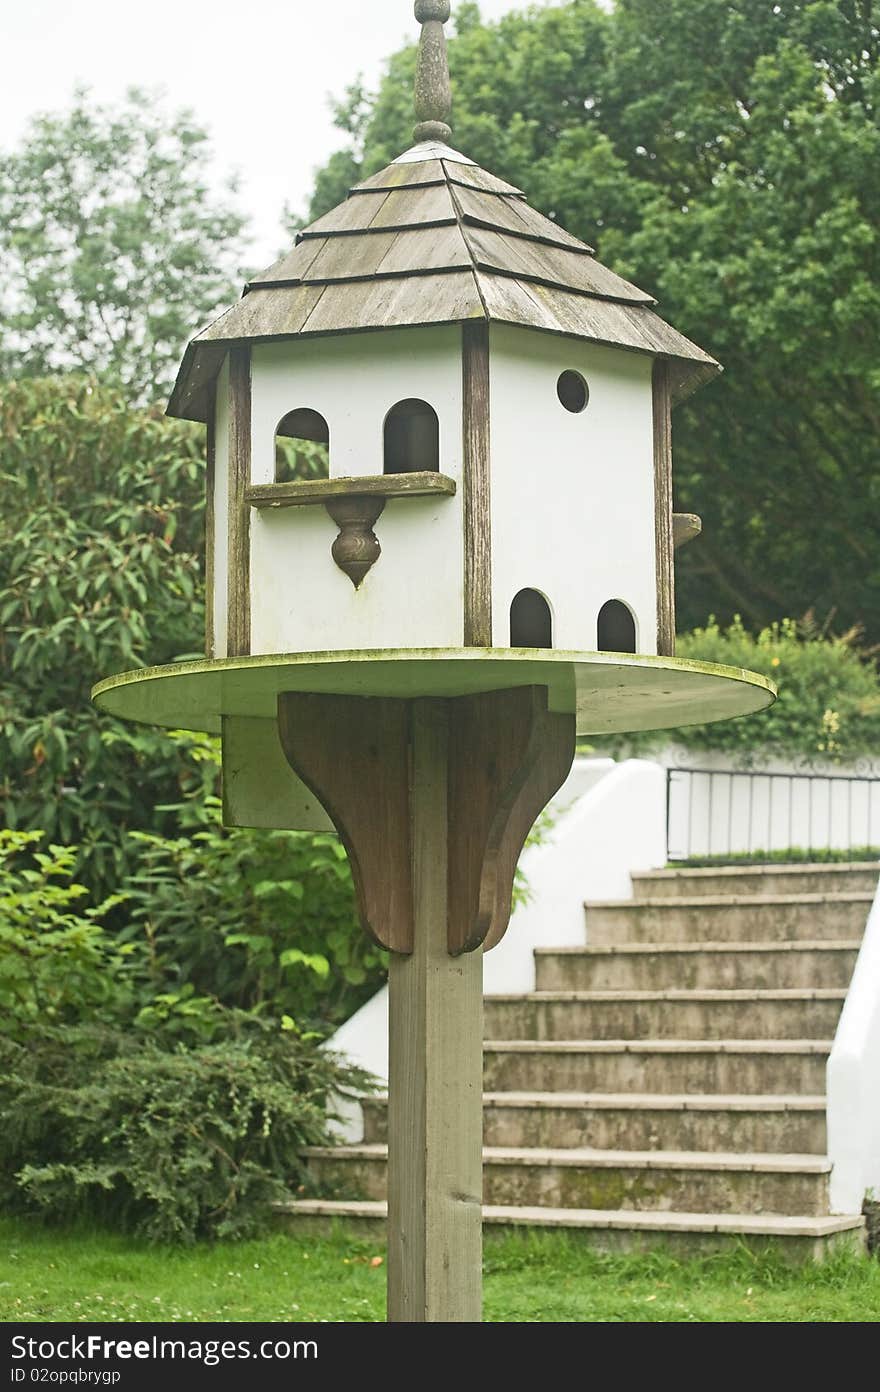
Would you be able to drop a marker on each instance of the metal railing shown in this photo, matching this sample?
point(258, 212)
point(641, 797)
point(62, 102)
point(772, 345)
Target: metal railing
point(714, 812)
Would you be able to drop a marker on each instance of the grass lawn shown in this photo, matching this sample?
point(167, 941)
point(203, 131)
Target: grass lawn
point(86, 1275)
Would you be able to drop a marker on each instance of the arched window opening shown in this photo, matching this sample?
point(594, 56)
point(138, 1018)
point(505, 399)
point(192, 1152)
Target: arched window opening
point(531, 623)
point(302, 446)
point(617, 628)
point(412, 438)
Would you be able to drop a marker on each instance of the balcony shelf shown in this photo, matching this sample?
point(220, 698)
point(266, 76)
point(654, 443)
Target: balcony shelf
point(308, 492)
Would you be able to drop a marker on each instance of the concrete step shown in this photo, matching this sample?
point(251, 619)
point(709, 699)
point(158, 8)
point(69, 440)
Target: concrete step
point(854, 877)
point(745, 918)
point(796, 1238)
point(720, 966)
point(667, 1181)
point(652, 1065)
point(647, 1121)
point(664, 1015)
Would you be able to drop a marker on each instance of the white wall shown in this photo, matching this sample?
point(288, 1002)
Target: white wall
point(413, 595)
point(836, 806)
point(572, 494)
point(611, 821)
point(853, 1082)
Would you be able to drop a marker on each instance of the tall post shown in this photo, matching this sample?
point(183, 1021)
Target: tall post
point(435, 1089)
point(433, 799)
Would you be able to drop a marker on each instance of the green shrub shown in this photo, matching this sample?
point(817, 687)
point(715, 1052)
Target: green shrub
point(57, 963)
point(101, 562)
point(258, 920)
point(175, 1143)
point(828, 705)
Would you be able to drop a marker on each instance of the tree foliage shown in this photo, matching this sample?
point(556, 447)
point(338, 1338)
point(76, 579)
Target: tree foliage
point(113, 249)
point(725, 154)
point(101, 558)
point(828, 708)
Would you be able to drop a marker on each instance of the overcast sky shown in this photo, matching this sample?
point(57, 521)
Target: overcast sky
point(258, 75)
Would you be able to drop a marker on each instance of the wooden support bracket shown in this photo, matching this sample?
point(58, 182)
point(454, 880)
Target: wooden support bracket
point(507, 756)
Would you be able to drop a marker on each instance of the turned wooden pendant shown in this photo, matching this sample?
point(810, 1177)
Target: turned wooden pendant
point(357, 547)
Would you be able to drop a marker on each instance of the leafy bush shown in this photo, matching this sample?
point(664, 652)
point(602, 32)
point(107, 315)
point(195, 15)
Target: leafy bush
point(258, 920)
point(101, 559)
point(57, 964)
point(133, 1086)
point(175, 1143)
point(828, 705)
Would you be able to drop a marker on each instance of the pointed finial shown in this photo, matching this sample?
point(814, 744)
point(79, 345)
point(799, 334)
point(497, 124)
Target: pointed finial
point(433, 93)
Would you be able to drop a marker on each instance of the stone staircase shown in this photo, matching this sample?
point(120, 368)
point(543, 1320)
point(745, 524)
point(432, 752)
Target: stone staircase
point(664, 1084)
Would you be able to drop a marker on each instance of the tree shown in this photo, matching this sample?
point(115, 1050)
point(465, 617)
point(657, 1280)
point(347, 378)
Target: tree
point(725, 154)
point(113, 249)
point(101, 563)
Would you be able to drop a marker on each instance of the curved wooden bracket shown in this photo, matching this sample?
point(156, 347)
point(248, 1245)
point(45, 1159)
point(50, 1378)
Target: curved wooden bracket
point(507, 755)
point(352, 752)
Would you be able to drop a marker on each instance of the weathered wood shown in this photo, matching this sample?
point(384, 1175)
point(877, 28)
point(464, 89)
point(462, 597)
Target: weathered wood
point(472, 176)
point(355, 213)
point(513, 301)
point(272, 313)
point(343, 258)
point(426, 249)
point(507, 756)
point(663, 510)
point(685, 526)
point(210, 504)
point(291, 268)
point(408, 207)
point(435, 1075)
point(432, 92)
point(238, 610)
point(549, 265)
point(399, 175)
point(352, 752)
point(552, 752)
point(311, 492)
point(512, 214)
point(437, 297)
point(476, 486)
point(356, 549)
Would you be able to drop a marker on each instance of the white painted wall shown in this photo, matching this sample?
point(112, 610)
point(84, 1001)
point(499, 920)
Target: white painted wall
point(611, 821)
point(572, 494)
point(221, 510)
point(853, 1082)
point(617, 827)
point(413, 595)
point(834, 805)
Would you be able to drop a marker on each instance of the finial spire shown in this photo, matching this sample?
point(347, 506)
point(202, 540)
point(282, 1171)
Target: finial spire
point(433, 95)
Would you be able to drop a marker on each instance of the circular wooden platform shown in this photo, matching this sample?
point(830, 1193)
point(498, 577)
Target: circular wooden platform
point(608, 692)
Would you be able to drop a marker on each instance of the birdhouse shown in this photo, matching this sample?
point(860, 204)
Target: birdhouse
point(439, 547)
point(439, 421)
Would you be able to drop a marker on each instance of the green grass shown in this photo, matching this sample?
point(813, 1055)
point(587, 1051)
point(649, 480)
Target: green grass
point(78, 1275)
point(795, 855)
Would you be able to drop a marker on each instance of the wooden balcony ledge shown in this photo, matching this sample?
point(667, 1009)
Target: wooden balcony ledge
point(306, 492)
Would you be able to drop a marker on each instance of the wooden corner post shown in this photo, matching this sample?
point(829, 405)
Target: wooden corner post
point(433, 799)
point(663, 538)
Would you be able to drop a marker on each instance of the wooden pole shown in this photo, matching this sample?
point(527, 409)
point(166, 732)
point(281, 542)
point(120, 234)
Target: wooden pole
point(435, 1090)
point(433, 799)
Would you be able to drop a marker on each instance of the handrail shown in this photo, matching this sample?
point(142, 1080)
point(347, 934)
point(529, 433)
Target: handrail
point(712, 811)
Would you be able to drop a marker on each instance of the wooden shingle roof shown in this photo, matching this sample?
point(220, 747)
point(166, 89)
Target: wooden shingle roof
point(435, 239)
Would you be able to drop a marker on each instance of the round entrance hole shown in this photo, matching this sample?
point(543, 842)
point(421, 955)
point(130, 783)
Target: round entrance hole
point(573, 392)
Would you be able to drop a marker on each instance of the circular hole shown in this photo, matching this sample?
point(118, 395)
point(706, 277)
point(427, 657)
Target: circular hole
point(572, 391)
